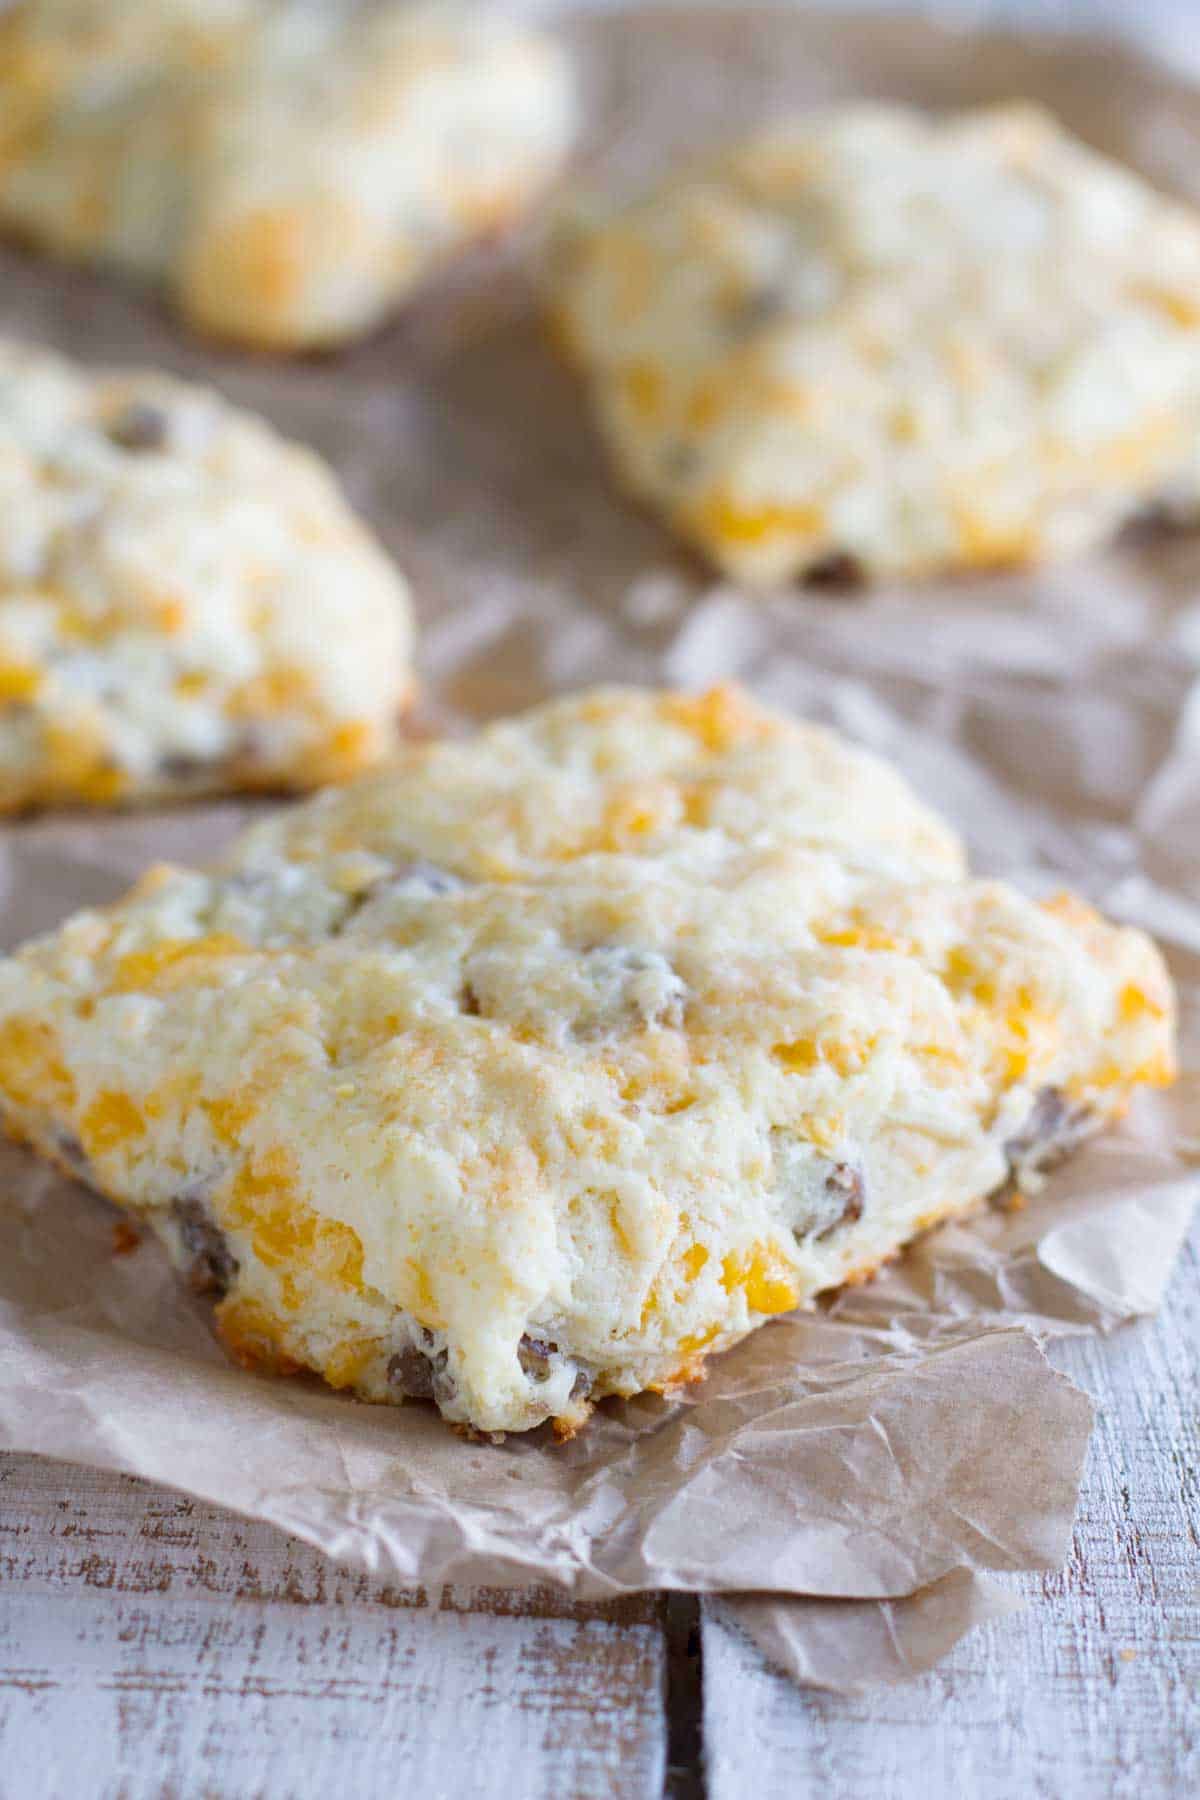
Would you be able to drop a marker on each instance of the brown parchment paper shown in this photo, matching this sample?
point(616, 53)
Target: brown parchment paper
point(852, 1477)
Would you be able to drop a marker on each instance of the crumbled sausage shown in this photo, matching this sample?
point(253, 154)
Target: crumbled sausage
point(753, 312)
point(1160, 519)
point(535, 1356)
point(179, 766)
point(140, 427)
point(419, 1372)
point(416, 880)
point(1054, 1128)
point(411, 1372)
point(539, 1357)
point(820, 1196)
point(590, 992)
point(631, 986)
point(838, 570)
point(213, 1265)
point(846, 1188)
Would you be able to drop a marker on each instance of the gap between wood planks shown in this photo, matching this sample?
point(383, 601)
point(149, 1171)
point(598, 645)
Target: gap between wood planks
point(683, 1697)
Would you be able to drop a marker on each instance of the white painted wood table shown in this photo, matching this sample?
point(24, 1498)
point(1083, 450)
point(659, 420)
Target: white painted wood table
point(151, 1646)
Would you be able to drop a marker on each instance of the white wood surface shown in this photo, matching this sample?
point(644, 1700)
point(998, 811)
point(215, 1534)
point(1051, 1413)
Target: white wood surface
point(150, 1645)
point(153, 1647)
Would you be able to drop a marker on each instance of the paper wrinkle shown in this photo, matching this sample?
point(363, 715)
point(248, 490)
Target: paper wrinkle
point(847, 1646)
point(885, 1453)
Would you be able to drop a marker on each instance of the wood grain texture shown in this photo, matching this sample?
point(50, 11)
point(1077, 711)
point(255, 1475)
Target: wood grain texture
point(150, 1645)
point(1093, 1693)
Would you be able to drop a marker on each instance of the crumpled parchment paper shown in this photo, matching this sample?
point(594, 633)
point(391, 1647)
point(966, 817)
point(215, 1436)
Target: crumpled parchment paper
point(850, 1477)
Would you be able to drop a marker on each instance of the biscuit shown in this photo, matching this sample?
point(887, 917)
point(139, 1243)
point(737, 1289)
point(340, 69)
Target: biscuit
point(289, 171)
point(544, 1065)
point(187, 604)
point(874, 343)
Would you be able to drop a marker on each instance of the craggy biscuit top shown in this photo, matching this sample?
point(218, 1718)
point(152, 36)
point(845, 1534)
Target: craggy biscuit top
point(186, 601)
point(876, 340)
point(545, 1063)
point(290, 168)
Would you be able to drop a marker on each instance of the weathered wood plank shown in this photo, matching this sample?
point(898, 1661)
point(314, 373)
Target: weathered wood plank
point(1094, 1692)
point(152, 1645)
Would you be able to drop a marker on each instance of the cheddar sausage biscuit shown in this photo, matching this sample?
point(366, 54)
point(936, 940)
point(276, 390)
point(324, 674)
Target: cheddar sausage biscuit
point(544, 1065)
point(881, 343)
point(187, 603)
point(289, 170)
